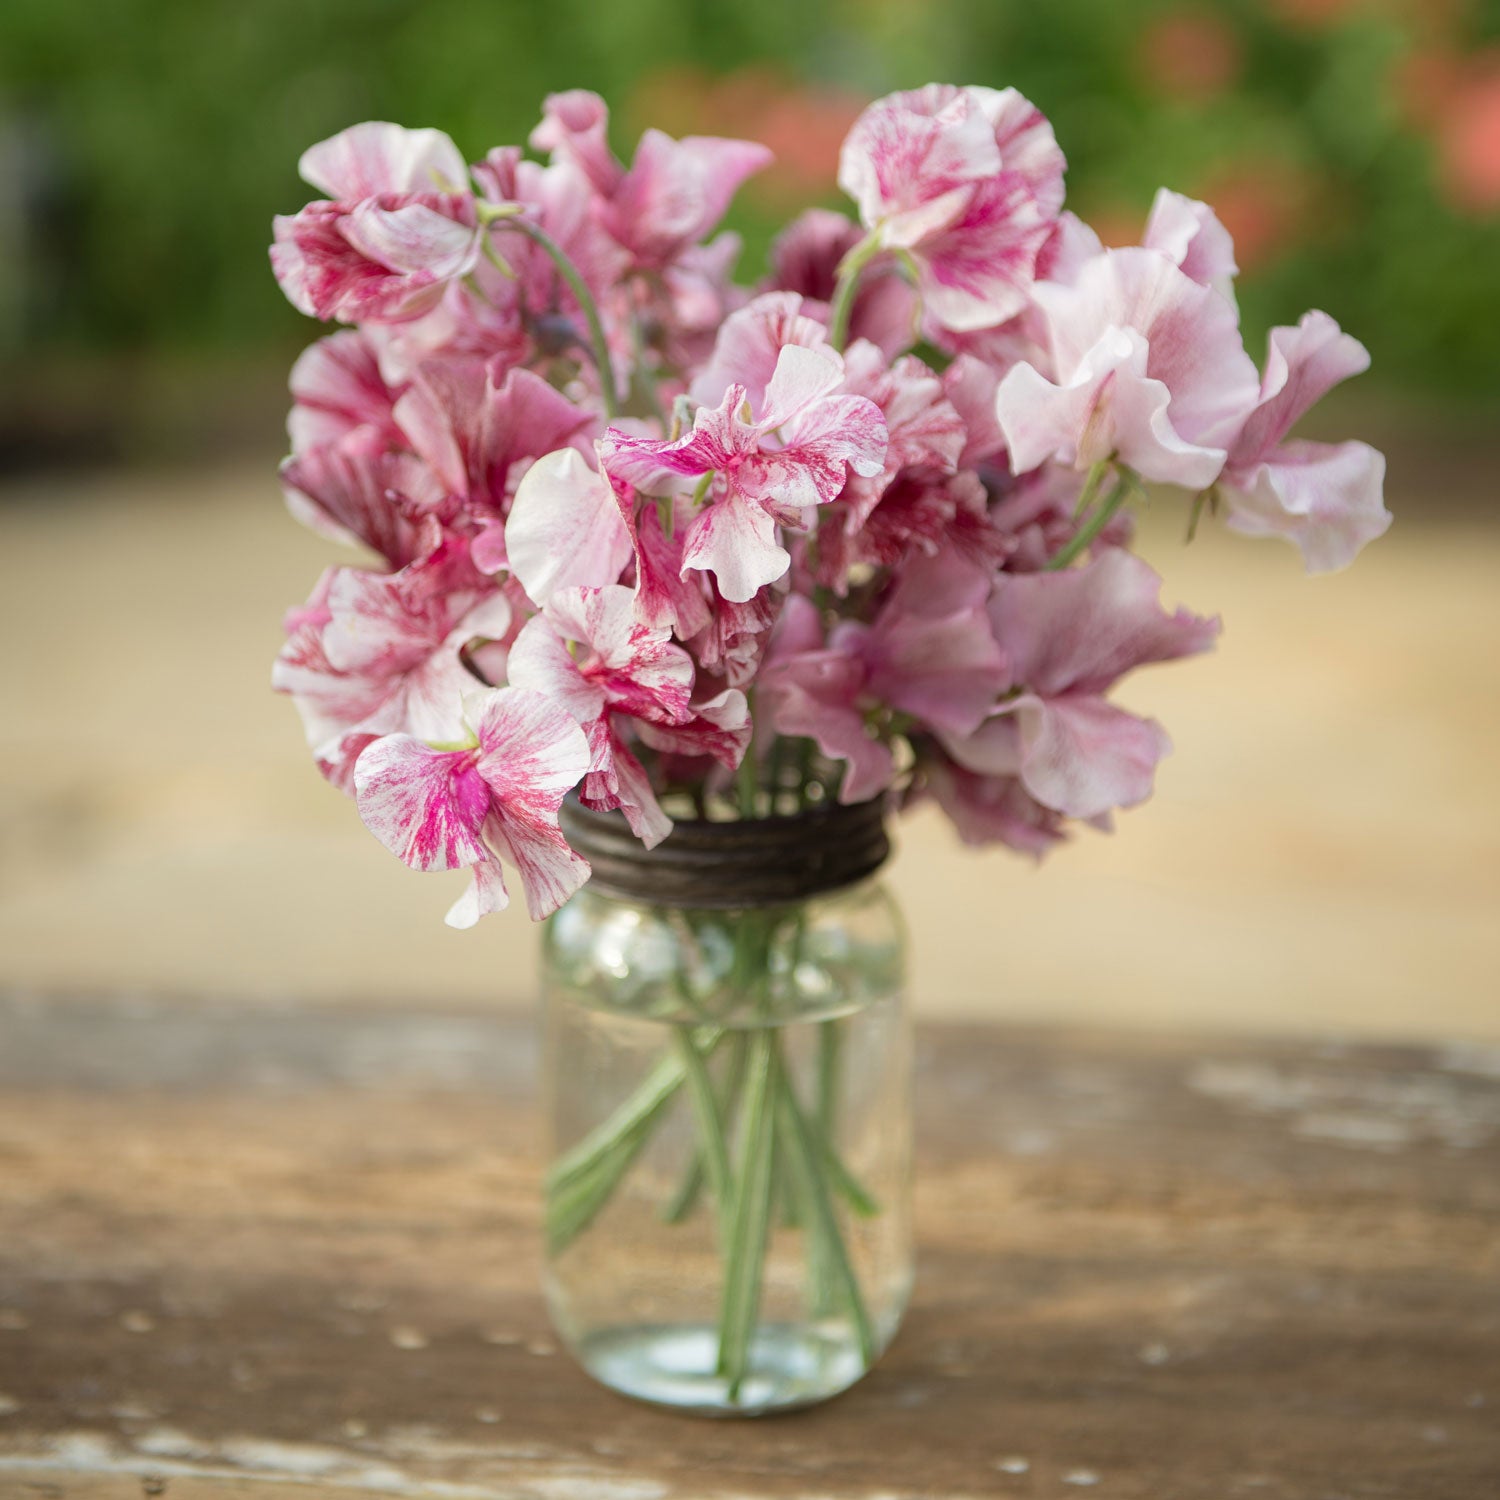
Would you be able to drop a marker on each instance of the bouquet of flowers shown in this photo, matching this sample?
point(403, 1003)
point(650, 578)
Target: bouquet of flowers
point(855, 536)
point(678, 543)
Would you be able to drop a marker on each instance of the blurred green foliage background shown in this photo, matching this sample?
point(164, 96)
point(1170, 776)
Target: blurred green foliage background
point(1353, 146)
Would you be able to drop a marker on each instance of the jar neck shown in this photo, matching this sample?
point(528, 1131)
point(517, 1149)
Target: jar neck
point(732, 865)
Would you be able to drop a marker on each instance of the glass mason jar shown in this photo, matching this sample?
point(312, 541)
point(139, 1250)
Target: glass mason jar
point(727, 1078)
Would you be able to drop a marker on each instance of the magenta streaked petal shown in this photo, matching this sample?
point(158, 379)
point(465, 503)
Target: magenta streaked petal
point(486, 893)
point(720, 727)
point(337, 387)
point(749, 344)
point(426, 806)
point(414, 237)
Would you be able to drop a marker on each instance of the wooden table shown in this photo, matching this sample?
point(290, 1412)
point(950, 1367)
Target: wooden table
point(245, 1250)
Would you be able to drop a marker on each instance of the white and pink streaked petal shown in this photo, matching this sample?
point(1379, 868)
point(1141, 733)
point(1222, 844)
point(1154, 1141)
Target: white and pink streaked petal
point(426, 806)
point(1326, 498)
point(720, 727)
point(634, 796)
point(565, 529)
point(735, 540)
point(485, 893)
point(640, 669)
point(1083, 756)
point(910, 158)
point(379, 157)
point(1027, 144)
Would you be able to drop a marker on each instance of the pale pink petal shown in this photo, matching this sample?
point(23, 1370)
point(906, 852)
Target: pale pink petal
point(378, 157)
point(1302, 365)
point(564, 528)
point(1083, 757)
point(1326, 498)
point(412, 237)
point(970, 386)
point(1079, 629)
point(1107, 406)
point(1190, 235)
point(575, 127)
point(676, 191)
point(990, 809)
point(749, 344)
point(803, 375)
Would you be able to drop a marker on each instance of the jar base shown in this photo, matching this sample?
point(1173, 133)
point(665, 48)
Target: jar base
point(673, 1365)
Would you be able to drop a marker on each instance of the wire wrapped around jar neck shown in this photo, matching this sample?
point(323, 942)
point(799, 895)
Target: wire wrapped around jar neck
point(730, 865)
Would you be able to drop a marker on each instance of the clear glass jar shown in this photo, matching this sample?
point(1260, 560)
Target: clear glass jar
point(728, 1205)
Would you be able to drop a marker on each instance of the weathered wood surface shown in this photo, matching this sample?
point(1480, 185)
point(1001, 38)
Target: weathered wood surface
point(247, 1249)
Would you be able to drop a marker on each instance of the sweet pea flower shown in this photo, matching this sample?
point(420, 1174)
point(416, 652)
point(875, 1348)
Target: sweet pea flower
point(929, 654)
point(476, 426)
point(762, 470)
point(968, 182)
point(1147, 366)
point(1327, 498)
point(986, 809)
point(1068, 637)
point(674, 191)
point(621, 670)
point(379, 653)
point(399, 226)
point(494, 796)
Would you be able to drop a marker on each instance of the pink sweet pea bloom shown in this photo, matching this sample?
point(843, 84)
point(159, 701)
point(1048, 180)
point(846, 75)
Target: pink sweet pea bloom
point(1327, 498)
point(673, 193)
point(767, 470)
point(380, 653)
point(1147, 366)
point(992, 809)
point(399, 226)
point(969, 182)
point(622, 670)
point(929, 654)
point(1068, 637)
point(494, 797)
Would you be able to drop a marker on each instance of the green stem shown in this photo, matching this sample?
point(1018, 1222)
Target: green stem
point(1096, 523)
point(608, 390)
point(637, 1112)
point(850, 270)
point(1090, 488)
point(714, 1151)
point(808, 1164)
point(750, 1225)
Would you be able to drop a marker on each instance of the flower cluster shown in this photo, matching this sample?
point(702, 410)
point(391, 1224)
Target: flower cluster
point(670, 543)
